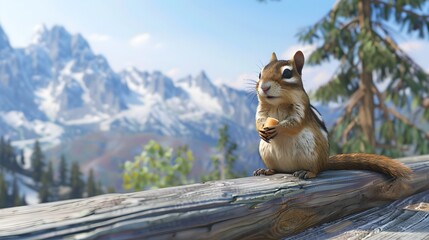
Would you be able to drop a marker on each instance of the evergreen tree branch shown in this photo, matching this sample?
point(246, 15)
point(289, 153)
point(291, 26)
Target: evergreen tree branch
point(401, 9)
point(386, 29)
point(389, 42)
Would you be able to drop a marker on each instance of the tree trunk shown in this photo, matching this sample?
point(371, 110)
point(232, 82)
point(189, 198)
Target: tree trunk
point(366, 110)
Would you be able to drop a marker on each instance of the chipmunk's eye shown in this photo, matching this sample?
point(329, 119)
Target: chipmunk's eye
point(259, 75)
point(287, 73)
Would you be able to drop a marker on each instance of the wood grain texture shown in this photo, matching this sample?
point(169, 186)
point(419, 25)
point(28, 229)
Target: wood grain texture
point(264, 207)
point(403, 219)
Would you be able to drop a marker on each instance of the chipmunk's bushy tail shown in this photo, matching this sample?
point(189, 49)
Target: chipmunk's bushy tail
point(372, 162)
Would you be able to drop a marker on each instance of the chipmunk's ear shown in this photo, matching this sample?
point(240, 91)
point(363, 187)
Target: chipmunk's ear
point(273, 57)
point(298, 58)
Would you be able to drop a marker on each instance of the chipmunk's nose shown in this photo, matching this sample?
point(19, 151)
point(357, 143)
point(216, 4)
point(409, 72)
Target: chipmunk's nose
point(265, 87)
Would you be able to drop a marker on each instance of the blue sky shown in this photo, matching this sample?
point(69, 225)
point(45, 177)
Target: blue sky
point(228, 39)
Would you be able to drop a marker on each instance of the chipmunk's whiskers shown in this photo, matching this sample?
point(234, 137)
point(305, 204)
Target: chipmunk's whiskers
point(251, 89)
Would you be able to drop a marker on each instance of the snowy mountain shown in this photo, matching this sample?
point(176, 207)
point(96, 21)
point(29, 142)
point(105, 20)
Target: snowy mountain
point(59, 91)
point(77, 83)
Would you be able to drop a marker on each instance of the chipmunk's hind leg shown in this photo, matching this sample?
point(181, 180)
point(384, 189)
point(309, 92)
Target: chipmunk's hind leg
point(303, 174)
point(261, 171)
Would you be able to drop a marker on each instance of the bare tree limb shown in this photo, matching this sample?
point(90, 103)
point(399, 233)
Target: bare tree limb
point(348, 129)
point(350, 23)
point(401, 117)
point(387, 146)
point(381, 101)
point(354, 99)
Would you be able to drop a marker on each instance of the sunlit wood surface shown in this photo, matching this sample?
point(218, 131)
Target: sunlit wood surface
point(247, 208)
point(403, 219)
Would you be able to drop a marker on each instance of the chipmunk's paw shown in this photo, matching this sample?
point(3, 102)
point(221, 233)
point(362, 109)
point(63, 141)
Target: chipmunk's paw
point(261, 171)
point(268, 133)
point(303, 174)
point(263, 136)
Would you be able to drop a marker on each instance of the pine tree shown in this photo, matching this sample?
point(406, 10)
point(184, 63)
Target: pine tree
point(76, 182)
point(2, 151)
point(359, 34)
point(223, 163)
point(91, 188)
point(37, 162)
point(63, 171)
point(50, 174)
point(10, 156)
point(13, 157)
point(7, 155)
point(44, 191)
point(3, 191)
point(22, 158)
point(15, 193)
point(229, 149)
point(159, 167)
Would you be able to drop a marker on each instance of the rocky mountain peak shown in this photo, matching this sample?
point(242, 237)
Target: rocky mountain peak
point(78, 43)
point(39, 34)
point(60, 43)
point(201, 82)
point(4, 40)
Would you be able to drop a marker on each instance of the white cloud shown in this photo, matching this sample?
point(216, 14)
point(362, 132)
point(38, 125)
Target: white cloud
point(140, 39)
point(411, 46)
point(96, 37)
point(173, 73)
point(306, 49)
point(315, 76)
point(417, 50)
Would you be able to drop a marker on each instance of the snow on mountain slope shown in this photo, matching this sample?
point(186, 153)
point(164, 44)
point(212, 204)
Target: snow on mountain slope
point(26, 131)
point(25, 185)
point(192, 105)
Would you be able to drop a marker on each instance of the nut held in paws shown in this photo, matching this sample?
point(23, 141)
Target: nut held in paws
point(271, 122)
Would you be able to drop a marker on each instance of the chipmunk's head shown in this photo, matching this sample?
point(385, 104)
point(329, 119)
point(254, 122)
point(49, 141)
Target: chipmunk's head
point(280, 81)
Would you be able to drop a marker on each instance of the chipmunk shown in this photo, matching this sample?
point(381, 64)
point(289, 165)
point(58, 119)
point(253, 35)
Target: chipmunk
point(298, 144)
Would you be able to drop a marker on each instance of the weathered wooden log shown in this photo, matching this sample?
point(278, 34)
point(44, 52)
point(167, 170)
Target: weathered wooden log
point(245, 208)
point(403, 219)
